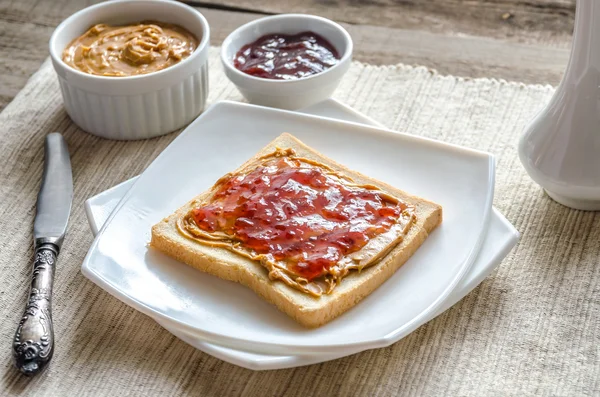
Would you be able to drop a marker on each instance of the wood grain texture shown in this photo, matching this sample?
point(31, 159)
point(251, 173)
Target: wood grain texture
point(526, 21)
point(430, 33)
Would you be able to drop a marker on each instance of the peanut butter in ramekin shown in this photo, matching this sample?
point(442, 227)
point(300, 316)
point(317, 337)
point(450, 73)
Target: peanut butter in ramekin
point(129, 50)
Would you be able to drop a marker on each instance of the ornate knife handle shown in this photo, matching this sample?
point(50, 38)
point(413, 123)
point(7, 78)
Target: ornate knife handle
point(34, 340)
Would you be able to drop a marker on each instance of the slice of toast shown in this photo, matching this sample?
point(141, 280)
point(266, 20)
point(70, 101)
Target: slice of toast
point(308, 310)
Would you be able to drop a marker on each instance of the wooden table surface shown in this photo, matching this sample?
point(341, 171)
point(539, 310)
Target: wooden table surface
point(520, 40)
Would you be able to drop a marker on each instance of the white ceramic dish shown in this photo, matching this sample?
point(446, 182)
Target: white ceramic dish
point(225, 313)
point(500, 239)
point(283, 94)
point(134, 107)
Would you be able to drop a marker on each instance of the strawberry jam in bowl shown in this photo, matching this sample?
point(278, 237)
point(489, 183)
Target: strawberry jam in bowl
point(287, 61)
point(286, 56)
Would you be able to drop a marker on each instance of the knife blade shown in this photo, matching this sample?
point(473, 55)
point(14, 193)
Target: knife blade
point(56, 193)
point(33, 344)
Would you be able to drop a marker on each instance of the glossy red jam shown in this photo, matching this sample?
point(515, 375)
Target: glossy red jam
point(298, 214)
point(286, 57)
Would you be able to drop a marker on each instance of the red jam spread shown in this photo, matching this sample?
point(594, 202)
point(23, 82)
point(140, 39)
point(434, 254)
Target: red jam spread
point(286, 56)
point(300, 216)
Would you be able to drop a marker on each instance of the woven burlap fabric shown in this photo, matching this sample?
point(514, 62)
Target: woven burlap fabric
point(531, 328)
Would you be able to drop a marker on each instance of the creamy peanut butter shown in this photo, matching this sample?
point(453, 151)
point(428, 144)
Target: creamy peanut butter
point(291, 214)
point(129, 50)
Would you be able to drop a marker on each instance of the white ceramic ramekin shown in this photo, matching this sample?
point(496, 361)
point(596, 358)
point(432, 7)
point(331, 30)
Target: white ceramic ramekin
point(135, 107)
point(287, 94)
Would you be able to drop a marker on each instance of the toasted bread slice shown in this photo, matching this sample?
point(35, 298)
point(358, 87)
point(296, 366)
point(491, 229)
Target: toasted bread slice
point(308, 310)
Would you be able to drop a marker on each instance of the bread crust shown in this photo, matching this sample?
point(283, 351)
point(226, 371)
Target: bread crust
point(307, 310)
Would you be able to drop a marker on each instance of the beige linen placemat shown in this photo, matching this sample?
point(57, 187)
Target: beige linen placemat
point(531, 328)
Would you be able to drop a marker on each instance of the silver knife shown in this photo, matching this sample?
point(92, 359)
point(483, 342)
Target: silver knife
point(33, 344)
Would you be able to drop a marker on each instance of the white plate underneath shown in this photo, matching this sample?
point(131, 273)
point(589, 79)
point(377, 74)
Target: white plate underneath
point(500, 239)
point(225, 313)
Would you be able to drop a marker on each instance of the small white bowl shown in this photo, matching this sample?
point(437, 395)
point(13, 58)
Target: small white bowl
point(287, 94)
point(134, 107)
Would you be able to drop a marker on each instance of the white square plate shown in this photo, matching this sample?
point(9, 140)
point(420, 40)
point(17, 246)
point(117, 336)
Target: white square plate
point(230, 315)
point(501, 237)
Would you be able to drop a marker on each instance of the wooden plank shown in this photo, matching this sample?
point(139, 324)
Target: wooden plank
point(39, 12)
point(23, 47)
point(26, 26)
point(517, 20)
point(467, 56)
point(524, 21)
point(461, 56)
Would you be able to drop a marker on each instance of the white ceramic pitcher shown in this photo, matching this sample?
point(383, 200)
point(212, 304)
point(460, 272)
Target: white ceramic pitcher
point(561, 148)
